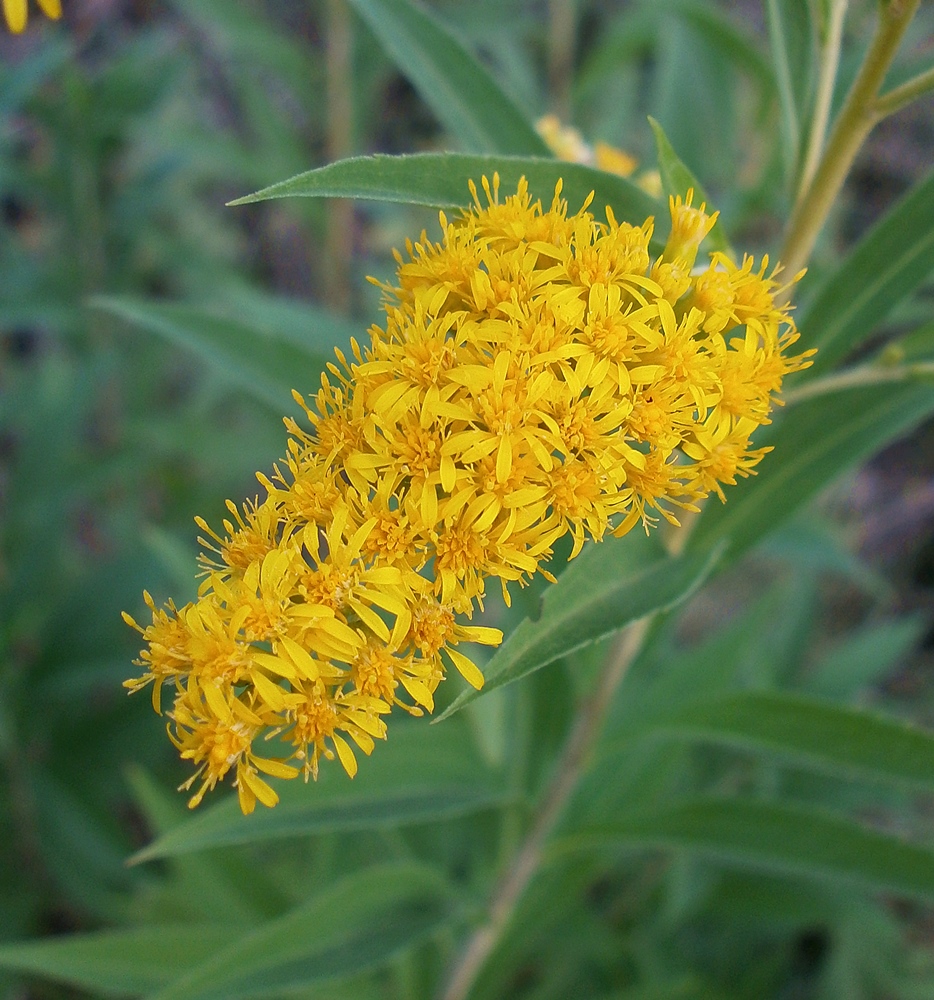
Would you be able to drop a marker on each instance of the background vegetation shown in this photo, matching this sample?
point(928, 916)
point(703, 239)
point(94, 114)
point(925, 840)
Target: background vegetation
point(754, 819)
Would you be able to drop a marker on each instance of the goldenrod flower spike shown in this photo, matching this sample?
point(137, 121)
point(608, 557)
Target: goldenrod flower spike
point(537, 374)
point(16, 12)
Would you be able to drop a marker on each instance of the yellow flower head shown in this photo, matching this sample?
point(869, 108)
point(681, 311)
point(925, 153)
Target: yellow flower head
point(537, 374)
point(16, 12)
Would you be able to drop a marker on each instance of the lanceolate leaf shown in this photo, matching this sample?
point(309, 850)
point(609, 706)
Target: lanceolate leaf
point(225, 825)
point(677, 179)
point(461, 92)
point(814, 442)
point(813, 734)
point(792, 45)
point(729, 37)
point(915, 346)
point(441, 180)
point(889, 263)
point(863, 657)
point(117, 963)
point(774, 837)
point(421, 774)
point(357, 923)
point(260, 359)
point(610, 585)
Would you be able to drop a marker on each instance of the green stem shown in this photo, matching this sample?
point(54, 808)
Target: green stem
point(515, 814)
point(562, 34)
point(863, 376)
point(905, 93)
point(829, 62)
point(528, 858)
point(857, 118)
point(786, 96)
point(339, 141)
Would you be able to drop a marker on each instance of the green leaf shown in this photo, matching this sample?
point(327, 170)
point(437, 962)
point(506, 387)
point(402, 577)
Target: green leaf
point(225, 888)
point(773, 837)
point(770, 899)
point(243, 38)
point(357, 923)
point(625, 41)
point(422, 774)
point(811, 541)
point(20, 80)
point(117, 963)
point(889, 263)
point(608, 586)
point(79, 845)
point(224, 825)
point(864, 657)
point(813, 734)
point(728, 36)
point(461, 92)
point(440, 180)
point(915, 346)
point(671, 678)
point(814, 442)
point(792, 43)
point(677, 179)
point(261, 359)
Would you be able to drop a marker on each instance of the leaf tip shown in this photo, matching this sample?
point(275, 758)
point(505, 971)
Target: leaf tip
point(247, 199)
point(140, 857)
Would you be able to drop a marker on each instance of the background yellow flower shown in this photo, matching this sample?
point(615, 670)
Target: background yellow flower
point(16, 12)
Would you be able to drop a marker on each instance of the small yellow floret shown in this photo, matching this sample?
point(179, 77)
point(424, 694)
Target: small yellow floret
point(689, 227)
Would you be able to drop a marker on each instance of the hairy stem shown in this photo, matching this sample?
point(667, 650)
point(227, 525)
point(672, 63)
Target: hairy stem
point(569, 769)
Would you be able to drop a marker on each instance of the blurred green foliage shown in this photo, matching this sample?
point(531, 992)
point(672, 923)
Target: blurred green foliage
point(747, 828)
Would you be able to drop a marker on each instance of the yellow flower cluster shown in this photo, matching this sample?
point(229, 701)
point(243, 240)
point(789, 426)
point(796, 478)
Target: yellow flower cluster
point(538, 374)
point(567, 143)
point(16, 12)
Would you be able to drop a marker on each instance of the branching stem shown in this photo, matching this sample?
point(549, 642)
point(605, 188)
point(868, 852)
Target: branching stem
point(865, 375)
point(855, 121)
point(862, 109)
point(905, 93)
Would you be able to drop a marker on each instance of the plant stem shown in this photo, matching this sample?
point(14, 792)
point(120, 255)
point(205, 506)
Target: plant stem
point(829, 62)
point(905, 93)
point(569, 769)
point(861, 111)
point(865, 375)
point(561, 40)
point(339, 140)
point(857, 118)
